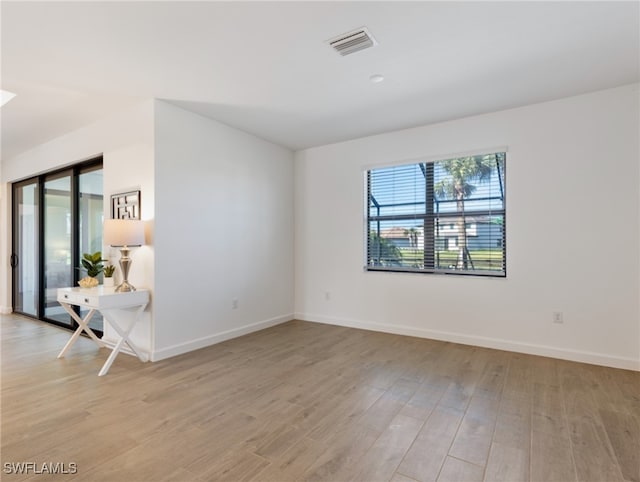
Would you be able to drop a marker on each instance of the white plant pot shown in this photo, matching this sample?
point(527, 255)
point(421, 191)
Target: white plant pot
point(108, 282)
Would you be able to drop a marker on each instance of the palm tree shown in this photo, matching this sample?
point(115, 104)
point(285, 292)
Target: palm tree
point(462, 172)
point(412, 234)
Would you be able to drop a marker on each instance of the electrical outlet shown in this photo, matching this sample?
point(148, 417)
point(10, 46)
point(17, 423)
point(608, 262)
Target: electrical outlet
point(557, 317)
point(234, 303)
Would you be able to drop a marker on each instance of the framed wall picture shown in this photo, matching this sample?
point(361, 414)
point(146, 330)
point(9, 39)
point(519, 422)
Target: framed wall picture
point(125, 205)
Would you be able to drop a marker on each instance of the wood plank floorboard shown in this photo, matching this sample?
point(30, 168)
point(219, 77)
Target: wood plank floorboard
point(311, 402)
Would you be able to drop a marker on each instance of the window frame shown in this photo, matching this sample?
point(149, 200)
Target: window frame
point(431, 219)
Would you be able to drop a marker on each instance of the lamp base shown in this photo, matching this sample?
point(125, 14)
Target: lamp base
point(124, 287)
point(125, 264)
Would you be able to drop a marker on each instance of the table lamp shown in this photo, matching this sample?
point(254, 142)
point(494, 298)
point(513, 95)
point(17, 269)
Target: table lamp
point(124, 233)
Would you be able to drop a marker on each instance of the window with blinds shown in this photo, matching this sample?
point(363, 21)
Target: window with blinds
point(444, 216)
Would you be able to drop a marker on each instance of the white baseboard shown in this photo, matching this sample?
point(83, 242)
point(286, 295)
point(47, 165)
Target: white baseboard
point(486, 342)
point(5, 310)
point(198, 343)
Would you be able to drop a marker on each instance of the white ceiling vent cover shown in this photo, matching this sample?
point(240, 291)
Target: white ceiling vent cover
point(351, 42)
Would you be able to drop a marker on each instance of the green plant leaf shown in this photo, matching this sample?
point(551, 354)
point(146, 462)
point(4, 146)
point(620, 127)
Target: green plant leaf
point(92, 263)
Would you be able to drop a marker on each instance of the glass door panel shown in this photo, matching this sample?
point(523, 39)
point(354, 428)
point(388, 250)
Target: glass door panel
point(91, 218)
point(24, 259)
point(55, 218)
point(58, 266)
point(91, 211)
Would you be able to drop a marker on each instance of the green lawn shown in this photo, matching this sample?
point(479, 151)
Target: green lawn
point(482, 259)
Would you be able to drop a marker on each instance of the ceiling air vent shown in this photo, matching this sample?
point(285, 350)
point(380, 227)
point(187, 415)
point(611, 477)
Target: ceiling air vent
point(351, 42)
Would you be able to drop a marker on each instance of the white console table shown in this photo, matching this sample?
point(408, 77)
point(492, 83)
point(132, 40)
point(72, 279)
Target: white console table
point(110, 304)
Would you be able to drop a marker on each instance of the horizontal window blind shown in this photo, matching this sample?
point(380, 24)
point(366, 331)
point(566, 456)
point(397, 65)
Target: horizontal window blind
point(443, 216)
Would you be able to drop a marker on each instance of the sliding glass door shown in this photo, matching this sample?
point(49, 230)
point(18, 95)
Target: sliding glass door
point(90, 220)
point(58, 266)
point(56, 217)
point(24, 259)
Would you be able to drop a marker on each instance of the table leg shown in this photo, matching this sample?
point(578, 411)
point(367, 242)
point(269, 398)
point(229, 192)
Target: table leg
point(124, 338)
point(112, 356)
point(82, 326)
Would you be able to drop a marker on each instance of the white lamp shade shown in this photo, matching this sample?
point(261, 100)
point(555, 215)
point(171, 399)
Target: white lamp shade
point(123, 232)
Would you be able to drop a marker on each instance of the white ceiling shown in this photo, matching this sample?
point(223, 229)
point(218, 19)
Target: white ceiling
point(265, 67)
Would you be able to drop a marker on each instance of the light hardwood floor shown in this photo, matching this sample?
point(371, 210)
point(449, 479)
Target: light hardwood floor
point(305, 401)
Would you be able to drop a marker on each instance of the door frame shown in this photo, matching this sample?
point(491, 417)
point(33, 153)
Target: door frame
point(74, 171)
point(15, 240)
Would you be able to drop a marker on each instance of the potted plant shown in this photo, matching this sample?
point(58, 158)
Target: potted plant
point(92, 264)
point(108, 275)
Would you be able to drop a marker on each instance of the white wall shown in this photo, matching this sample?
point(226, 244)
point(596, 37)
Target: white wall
point(126, 142)
point(219, 207)
point(223, 231)
point(572, 234)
